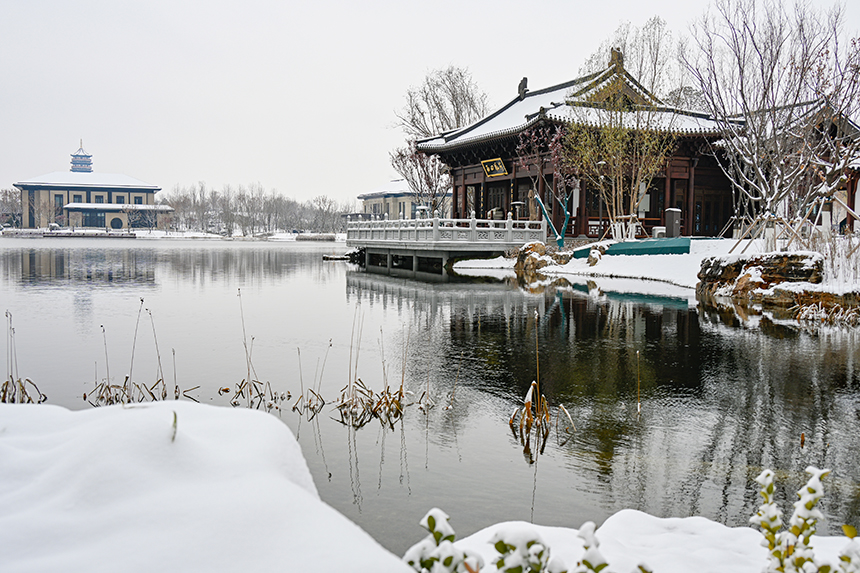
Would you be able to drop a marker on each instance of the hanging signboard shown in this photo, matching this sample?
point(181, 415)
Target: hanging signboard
point(494, 167)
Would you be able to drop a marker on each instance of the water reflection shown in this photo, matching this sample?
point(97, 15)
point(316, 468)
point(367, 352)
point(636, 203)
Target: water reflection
point(147, 263)
point(722, 396)
point(112, 266)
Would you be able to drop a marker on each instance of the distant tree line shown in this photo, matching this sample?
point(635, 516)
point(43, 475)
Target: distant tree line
point(10, 207)
point(251, 210)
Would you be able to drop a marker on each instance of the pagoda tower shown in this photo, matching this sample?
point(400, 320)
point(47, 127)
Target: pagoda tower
point(82, 162)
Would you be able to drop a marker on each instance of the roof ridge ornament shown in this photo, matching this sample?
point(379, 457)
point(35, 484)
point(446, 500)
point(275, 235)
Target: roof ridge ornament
point(616, 58)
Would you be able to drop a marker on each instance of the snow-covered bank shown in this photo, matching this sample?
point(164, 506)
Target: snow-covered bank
point(169, 486)
point(178, 486)
point(678, 270)
point(161, 234)
point(672, 545)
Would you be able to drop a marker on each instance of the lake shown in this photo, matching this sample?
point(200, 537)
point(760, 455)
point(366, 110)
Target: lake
point(721, 399)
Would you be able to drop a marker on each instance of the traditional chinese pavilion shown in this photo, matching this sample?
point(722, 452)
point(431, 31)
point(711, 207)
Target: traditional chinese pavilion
point(483, 157)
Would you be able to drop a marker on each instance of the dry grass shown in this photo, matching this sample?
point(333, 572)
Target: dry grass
point(14, 389)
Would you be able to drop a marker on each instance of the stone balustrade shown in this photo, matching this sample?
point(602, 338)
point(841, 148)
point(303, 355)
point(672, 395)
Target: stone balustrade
point(445, 234)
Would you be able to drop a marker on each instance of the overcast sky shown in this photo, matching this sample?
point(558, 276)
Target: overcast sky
point(297, 96)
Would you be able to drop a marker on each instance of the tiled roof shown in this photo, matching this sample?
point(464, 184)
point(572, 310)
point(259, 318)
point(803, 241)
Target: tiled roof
point(558, 103)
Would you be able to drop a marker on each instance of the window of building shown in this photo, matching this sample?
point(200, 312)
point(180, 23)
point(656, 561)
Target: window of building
point(58, 209)
point(120, 199)
point(99, 199)
point(94, 218)
point(77, 198)
point(138, 200)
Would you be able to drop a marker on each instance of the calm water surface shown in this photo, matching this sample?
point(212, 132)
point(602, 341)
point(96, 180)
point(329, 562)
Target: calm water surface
point(720, 399)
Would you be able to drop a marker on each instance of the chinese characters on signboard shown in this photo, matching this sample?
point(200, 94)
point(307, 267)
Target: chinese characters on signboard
point(494, 167)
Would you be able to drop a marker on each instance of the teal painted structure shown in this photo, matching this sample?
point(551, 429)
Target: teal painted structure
point(668, 246)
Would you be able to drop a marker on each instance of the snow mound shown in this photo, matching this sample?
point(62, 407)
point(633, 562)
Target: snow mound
point(665, 545)
point(167, 486)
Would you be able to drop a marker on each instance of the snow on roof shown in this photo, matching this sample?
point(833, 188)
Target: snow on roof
point(67, 179)
point(393, 188)
point(674, 120)
point(521, 113)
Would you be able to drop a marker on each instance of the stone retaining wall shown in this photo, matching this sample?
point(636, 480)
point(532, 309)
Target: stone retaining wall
point(756, 279)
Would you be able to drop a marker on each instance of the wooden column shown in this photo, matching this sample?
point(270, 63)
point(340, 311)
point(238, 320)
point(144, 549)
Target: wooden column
point(667, 195)
point(541, 191)
point(852, 199)
point(454, 196)
point(464, 199)
point(581, 214)
point(691, 196)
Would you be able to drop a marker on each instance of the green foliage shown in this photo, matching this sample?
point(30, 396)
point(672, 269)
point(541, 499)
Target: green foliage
point(436, 552)
point(519, 553)
point(791, 549)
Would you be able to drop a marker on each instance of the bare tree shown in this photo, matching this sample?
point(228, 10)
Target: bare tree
point(539, 147)
point(620, 133)
point(780, 83)
point(447, 99)
point(425, 174)
point(10, 207)
point(650, 55)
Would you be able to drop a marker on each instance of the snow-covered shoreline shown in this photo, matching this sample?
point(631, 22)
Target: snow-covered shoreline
point(651, 273)
point(154, 234)
point(179, 486)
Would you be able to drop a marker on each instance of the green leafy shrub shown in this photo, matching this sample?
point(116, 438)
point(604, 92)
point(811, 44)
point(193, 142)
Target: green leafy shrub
point(522, 550)
point(436, 552)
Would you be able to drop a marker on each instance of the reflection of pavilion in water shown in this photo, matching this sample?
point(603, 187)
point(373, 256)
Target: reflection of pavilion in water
point(719, 401)
point(441, 300)
point(587, 338)
point(116, 266)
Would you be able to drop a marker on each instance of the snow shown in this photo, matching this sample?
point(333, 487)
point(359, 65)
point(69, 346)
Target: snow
point(666, 545)
point(394, 188)
point(659, 275)
point(180, 486)
point(87, 179)
point(167, 486)
point(678, 270)
point(519, 113)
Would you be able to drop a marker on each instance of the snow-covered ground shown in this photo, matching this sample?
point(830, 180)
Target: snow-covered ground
point(658, 275)
point(678, 270)
point(166, 486)
point(179, 486)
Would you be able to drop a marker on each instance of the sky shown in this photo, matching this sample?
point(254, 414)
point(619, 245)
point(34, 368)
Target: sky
point(299, 97)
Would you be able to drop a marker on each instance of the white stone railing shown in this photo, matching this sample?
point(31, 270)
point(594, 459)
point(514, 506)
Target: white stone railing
point(425, 233)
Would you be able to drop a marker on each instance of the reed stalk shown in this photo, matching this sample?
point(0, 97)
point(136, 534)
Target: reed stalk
point(134, 341)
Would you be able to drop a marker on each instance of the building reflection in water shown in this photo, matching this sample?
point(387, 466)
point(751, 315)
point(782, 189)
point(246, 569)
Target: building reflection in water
point(720, 400)
point(87, 265)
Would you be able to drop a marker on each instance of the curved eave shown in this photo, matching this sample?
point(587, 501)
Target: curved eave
point(491, 136)
point(459, 138)
point(551, 116)
point(681, 131)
